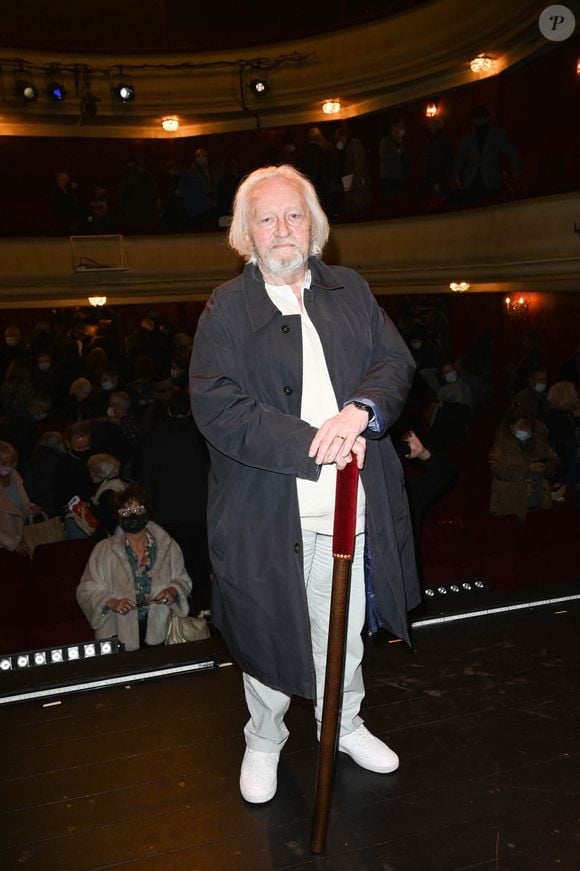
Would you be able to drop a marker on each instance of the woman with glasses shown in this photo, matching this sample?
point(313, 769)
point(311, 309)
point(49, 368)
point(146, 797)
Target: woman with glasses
point(135, 579)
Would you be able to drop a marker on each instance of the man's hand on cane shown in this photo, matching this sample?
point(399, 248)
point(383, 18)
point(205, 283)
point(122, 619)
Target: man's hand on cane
point(339, 436)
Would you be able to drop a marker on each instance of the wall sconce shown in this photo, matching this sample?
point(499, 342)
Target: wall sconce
point(459, 286)
point(331, 107)
point(170, 125)
point(97, 301)
point(516, 306)
point(578, 67)
point(432, 109)
point(483, 63)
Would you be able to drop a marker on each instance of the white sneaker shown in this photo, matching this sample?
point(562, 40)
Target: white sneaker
point(368, 751)
point(258, 777)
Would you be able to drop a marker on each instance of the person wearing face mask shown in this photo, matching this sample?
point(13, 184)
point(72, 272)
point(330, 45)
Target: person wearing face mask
point(71, 477)
point(532, 398)
point(522, 464)
point(135, 579)
point(454, 388)
point(15, 506)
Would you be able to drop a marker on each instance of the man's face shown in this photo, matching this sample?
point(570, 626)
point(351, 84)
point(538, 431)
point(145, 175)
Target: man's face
point(279, 227)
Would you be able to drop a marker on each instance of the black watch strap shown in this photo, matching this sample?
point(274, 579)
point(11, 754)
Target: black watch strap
point(364, 407)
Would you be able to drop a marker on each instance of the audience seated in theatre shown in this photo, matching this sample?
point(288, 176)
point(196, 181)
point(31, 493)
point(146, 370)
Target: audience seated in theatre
point(11, 348)
point(15, 506)
point(104, 472)
point(40, 470)
point(23, 430)
point(135, 579)
point(17, 388)
point(522, 465)
point(71, 476)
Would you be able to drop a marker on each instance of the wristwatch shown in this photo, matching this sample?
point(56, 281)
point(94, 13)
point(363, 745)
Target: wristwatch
point(364, 407)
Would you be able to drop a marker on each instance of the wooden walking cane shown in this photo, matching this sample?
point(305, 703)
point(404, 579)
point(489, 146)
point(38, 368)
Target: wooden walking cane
point(342, 551)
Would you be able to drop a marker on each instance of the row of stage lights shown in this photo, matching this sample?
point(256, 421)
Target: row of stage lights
point(463, 587)
point(55, 655)
point(57, 92)
point(125, 92)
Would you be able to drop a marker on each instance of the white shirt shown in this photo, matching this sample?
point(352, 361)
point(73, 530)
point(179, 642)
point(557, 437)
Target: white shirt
point(315, 498)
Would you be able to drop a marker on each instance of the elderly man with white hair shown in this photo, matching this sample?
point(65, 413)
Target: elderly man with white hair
point(294, 369)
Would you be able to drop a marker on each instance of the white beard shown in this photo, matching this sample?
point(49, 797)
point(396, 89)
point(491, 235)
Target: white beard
point(274, 264)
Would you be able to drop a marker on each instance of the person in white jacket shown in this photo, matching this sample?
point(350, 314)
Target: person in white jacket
point(135, 579)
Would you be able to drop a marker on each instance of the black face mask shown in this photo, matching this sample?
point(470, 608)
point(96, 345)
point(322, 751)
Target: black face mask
point(134, 523)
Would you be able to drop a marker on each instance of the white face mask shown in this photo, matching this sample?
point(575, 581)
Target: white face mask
point(5, 471)
point(540, 387)
point(175, 373)
point(451, 377)
point(110, 411)
point(44, 367)
point(340, 145)
point(39, 417)
point(417, 344)
point(107, 385)
point(11, 341)
point(522, 434)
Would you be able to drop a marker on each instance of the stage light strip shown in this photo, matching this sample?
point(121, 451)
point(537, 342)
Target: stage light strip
point(450, 618)
point(109, 682)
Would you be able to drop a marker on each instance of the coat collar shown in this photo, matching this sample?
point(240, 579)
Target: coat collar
point(260, 307)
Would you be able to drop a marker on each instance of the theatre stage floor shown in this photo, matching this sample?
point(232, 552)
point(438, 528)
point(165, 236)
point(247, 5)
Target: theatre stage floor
point(485, 715)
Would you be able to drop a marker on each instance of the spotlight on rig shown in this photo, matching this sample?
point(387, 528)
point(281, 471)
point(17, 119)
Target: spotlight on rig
point(124, 92)
point(26, 91)
point(56, 92)
point(259, 87)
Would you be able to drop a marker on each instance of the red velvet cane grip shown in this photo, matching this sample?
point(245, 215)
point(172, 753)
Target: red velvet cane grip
point(345, 511)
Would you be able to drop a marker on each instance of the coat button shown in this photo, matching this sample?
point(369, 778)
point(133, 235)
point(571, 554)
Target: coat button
point(296, 548)
point(285, 328)
point(288, 391)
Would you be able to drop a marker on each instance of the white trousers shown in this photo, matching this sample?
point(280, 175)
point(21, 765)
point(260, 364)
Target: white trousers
point(266, 730)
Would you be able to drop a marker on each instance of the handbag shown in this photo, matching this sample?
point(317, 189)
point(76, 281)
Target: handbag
point(183, 629)
point(80, 512)
point(44, 531)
